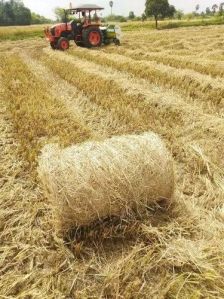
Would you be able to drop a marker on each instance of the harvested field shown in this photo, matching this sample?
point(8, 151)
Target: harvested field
point(170, 82)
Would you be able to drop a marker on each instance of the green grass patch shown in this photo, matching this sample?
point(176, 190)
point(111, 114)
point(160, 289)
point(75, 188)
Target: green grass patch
point(170, 24)
point(21, 32)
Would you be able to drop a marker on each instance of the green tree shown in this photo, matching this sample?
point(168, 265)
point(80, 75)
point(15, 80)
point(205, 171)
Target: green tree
point(214, 8)
point(221, 8)
point(143, 17)
point(208, 11)
point(38, 19)
point(60, 14)
point(171, 11)
point(8, 14)
point(197, 7)
point(22, 15)
point(14, 12)
point(131, 15)
point(179, 14)
point(203, 15)
point(158, 9)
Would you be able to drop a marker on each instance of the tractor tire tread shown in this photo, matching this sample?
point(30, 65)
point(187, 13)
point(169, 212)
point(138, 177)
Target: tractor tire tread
point(85, 37)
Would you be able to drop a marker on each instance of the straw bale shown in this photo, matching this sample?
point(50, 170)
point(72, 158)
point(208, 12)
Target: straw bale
point(98, 179)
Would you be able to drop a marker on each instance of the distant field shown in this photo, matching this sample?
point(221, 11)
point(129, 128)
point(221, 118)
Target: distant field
point(29, 32)
point(169, 24)
point(167, 81)
point(21, 32)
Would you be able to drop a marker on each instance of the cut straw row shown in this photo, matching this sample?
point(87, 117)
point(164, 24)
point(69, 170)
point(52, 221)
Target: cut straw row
point(38, 117)
point(201, 65)
point(129, 108)
point(192, 84)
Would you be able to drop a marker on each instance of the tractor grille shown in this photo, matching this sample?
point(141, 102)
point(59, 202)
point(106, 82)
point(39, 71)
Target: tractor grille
point(53, 31)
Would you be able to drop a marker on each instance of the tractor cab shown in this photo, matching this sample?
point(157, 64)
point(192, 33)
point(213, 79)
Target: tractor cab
point(85, 29)
point(87, 14)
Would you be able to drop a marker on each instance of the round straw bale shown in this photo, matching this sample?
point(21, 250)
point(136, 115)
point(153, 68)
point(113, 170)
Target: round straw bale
point(98, 179)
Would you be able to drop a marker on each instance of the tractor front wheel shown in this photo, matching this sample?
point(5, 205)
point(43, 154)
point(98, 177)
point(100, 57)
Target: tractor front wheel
point(53, 46)
point(63, 44)
point(92, 37)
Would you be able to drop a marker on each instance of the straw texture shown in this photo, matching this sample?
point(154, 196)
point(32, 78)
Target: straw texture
point(95, 180)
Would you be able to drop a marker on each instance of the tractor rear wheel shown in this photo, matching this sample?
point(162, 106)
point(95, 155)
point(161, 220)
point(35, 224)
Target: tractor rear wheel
point(92, 37)
point(63, 44)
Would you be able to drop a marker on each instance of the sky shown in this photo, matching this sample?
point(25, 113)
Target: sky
point(46, 7)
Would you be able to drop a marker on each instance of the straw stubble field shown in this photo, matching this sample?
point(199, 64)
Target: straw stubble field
point(170, 82)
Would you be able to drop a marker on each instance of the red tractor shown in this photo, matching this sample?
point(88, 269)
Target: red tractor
point(85, 31)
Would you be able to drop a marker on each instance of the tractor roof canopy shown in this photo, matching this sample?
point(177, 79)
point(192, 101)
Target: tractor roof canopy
point(85, 7)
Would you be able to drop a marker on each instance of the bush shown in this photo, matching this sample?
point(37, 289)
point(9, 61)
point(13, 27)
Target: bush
point(116, 18)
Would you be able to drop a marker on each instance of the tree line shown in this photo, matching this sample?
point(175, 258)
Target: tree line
point(215, 9)
point(13, 12)
point(160, 9)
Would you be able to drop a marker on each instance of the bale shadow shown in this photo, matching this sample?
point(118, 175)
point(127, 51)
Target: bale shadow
point(114, 234)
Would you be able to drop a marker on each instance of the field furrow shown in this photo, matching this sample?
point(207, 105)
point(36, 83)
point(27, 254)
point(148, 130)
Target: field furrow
point(97, 119)
point(207, 90)
point(125, 99)
point(38, 117)
point(150, 95)
point(195, 42)
point(153, 93)
point(201, 65)
point(180, 125)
